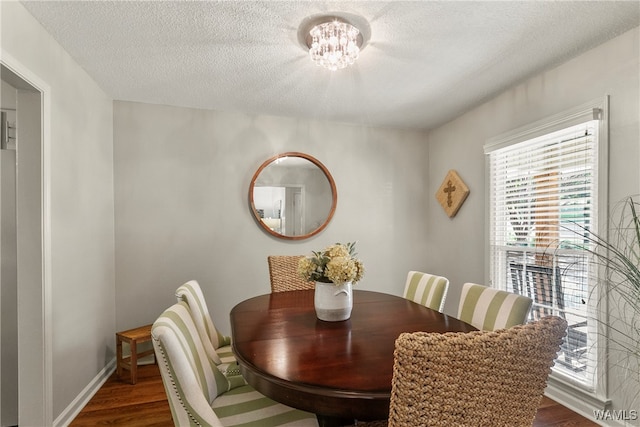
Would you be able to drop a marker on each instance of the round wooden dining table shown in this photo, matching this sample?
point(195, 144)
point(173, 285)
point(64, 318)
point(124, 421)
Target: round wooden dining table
point(337, 370)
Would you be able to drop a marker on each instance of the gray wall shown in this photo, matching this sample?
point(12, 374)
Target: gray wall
point(81, 207)
point(181, 189)
point(612, 69)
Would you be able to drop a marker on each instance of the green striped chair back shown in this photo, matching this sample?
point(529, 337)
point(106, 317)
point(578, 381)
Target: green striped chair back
point(426, 289)
point(490, 309)
point(218, 346)
point(198, 393)
point(191, 379)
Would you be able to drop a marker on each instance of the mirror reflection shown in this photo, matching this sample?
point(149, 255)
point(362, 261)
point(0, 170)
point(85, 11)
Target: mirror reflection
point(293, 196)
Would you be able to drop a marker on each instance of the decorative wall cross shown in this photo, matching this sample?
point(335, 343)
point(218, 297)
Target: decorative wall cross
point(452, 193)
point(449, 190)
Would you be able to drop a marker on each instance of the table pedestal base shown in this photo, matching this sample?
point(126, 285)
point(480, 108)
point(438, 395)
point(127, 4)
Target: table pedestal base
point(327, 421)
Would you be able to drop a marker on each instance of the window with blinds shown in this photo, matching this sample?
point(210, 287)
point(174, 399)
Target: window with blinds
point(543, 197)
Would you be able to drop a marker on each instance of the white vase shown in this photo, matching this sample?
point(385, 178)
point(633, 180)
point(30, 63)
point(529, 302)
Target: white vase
point(333, 302)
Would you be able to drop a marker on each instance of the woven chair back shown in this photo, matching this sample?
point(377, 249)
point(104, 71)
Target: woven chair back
point(283, 274)
point(483, 378)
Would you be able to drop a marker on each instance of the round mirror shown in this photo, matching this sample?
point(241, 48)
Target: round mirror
point(293, 196)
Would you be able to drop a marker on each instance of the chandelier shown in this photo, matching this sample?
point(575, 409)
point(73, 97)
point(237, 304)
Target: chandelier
point(334, 44)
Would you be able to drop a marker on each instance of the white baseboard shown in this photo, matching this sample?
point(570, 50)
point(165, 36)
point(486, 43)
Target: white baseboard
point(74, 408)
point(578, 401)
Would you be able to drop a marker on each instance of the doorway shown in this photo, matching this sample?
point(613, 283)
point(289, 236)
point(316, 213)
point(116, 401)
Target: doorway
point(8, 260)
point(26, 393)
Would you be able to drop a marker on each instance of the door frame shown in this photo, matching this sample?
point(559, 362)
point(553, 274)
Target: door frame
point(37, 390)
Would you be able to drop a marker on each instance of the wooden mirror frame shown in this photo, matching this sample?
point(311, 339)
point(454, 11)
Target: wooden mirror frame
point(327, 174)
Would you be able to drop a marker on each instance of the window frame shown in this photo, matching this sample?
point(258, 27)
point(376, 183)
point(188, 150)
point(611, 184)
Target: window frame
point(562, 387)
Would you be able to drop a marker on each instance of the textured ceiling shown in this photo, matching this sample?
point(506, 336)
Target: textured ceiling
point(425, 63)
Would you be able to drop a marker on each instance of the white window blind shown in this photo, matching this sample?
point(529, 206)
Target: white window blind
point(543, 195)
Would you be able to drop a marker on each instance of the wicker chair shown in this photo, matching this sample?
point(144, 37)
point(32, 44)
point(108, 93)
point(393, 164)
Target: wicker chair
point(426, 289)
point(482, 378)
point(198, 393)
point(283, 273)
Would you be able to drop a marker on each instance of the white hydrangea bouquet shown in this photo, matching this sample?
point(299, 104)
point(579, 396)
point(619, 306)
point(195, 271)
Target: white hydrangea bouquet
point(335, 264)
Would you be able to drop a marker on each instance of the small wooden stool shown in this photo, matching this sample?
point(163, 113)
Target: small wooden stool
point(133, 337)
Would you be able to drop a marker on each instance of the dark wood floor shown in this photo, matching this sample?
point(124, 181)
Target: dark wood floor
point(145, 404)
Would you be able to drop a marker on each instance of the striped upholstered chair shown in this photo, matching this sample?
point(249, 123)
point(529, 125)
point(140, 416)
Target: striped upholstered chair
point(490, 309)
point(426, 289)
point(198, 393)
point(217, 346)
